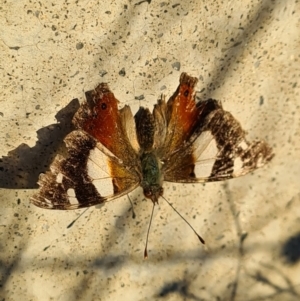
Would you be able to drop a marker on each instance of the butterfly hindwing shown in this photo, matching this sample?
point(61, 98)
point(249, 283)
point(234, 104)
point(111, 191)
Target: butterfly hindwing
point(176, 119)
point(101, 118)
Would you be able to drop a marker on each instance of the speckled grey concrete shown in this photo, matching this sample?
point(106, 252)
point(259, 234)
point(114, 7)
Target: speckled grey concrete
point(246, 54)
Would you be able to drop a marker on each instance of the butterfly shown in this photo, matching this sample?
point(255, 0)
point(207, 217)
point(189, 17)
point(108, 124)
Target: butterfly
point(112, 152)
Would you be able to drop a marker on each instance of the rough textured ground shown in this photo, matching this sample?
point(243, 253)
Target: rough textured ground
point(246, 54)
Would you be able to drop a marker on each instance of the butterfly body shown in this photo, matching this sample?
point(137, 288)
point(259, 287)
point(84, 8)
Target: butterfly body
point(152, 176)
point(111, 152)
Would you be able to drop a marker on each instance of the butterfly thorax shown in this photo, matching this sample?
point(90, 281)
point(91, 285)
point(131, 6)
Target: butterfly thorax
point(152, 176)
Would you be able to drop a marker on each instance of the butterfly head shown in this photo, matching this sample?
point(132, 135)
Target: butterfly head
point(153, 193)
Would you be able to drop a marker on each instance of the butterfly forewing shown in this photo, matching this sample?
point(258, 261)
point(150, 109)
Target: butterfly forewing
point(214, 148)
point(101, 162)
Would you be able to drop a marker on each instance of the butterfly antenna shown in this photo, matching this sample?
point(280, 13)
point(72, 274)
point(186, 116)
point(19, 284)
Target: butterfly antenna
point(70, 225)
point(146, 252)
point(133, 213)
point(200, 238)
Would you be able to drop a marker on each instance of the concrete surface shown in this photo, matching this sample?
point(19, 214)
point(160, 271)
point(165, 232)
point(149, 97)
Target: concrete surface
point(246, 54)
